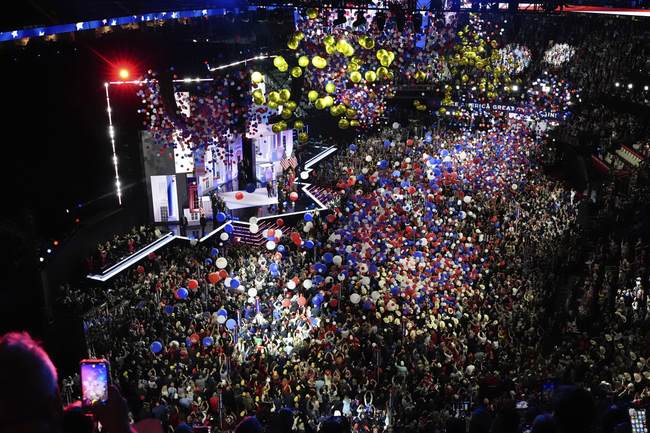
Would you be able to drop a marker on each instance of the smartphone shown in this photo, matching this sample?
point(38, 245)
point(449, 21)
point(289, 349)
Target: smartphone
point(94, 382)
point(637, 420)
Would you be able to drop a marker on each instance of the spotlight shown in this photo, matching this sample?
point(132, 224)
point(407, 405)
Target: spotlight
point(360, 21)
point(340, 18)
point(617, 84)
point(380, 20)
point(515, 88)
point(629, 86)
point(645, 87)
point(124, 73)
point(49, 250)
point(41, 259)
point(55, 243)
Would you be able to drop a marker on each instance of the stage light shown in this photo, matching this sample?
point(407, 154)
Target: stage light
point(124, 73)
point(55, 243)
point(49, 250)
point(645, 87)
point(340, 18)
point(515, 88)
point(41, 259)
point(617, 84)
point(629, 86)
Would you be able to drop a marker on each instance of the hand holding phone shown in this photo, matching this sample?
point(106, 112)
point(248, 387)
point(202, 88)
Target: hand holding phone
point(94, 382)
point(637, 420)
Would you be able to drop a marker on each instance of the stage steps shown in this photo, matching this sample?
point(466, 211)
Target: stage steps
point(323, 195)
point(242, 233)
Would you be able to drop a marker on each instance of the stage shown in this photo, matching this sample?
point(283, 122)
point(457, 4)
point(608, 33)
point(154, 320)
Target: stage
point(258, 198)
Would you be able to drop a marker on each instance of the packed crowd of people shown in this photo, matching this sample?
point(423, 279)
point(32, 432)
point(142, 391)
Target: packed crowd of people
point(121, 246)
point(452, 286)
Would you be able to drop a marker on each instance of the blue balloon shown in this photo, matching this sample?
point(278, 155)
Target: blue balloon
point(221, 217)
point(328, 257)
point(214, 252)
point(353, 147)
point(208, 341)
point(308, 217)
point(396, 173)
point(182, 293)
point(222, 312)
point(383, 164)
point(309, 244)
point(228, 228)
point(169, 309)
point(281, 248)
point(250, 188)
point(234, 283)
point(230, 324)
point(274, 266)
point(156, 347)
point(208, 261)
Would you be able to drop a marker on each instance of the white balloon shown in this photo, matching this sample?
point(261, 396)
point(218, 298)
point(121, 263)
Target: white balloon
point(337, 260)
point(291, 285)
point(270, 245)
point(252, 220)
point(222, 262)
point(252, 292)
point(395, 125)
point(307, 284)
point(355, 298)
point(375, 295)
point(368, 158)
point(304, 175)
point(254, 228)
point(278, 233)
point(221, 319)
point(227, 281)
point(224, 236)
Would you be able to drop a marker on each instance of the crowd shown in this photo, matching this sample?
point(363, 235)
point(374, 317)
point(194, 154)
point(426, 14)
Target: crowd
point(453, 286)
point(121, 246)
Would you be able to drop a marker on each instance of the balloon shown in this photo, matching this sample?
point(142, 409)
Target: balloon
point(312, 95)
point(254, 228)
point(303, 61)
point(270, 245)
point(221, 217)
point(298, 124)
point(304, 175)
point(230, 324)
point(182, 293)
point(214, 252)
point(214, 277)
point(355, 77)
point(208, 341)
point(156, 347)
point(309, 244)
point(193, 285)
point(370, 76)
point(344, 123)
point(221, 319)
point(318, 62)
point(222, 262)
point(234, 283)
point(252, 292)
point(279, 61)
point(308, 217)
point(257, 77)
point(285, 95)
point(302, 301)
point(224, 236)
point(169, 309)
point(330, 87)
point(307, 284)
point(293, 196)
point(337, 260)
point(279, 222)
point(291, 284)
point(140, 269)
point(355, 298)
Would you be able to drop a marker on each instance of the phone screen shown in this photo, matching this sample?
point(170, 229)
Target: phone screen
point(94, 382)
point(637, 420)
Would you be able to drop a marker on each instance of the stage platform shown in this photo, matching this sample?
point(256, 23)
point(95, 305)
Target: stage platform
point(258, 198)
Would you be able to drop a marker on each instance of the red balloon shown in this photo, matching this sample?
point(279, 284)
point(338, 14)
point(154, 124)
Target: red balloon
point(331, 218)
point(286, 303)
point(293, 196)
point(280, 222)
point(409, 142)
point(140, 269)
point(334, 303)
point(302, 301)
point(213, 277)
point(223, 274)
point(193, 285)
point(239, 195)
point(271, 233)
point(194, 338)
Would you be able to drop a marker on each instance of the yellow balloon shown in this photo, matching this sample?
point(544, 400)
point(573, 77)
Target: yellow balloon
point(381, 53)
point(328, 101)
point(272, 105)
point(279, 61)
point(330, 87)
point(283, 68)
point(293, 44)
point(369, 44)
point(312, 95)
point(285, 95)
point(355, 77)
point(319, 104)
point(329, 40)
point(298, 124)
point(299, 36)
point(341, 45)
point(303, 137)
point(330, 49)
point(312, 13)
point(258, 101)
point(318, 62)
point(286, 114)
point(257, 77)
point(296, 71)
point(257, 93)
point(370, 76)
point(291, 105)
point(274, 96)
point(349, 51)
point(350, 113)
point(382, 72)
point(354, 123)
point(303, 61)
point(344, 124)
point(276, 128)
point(334, 111)
point(352, 67)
